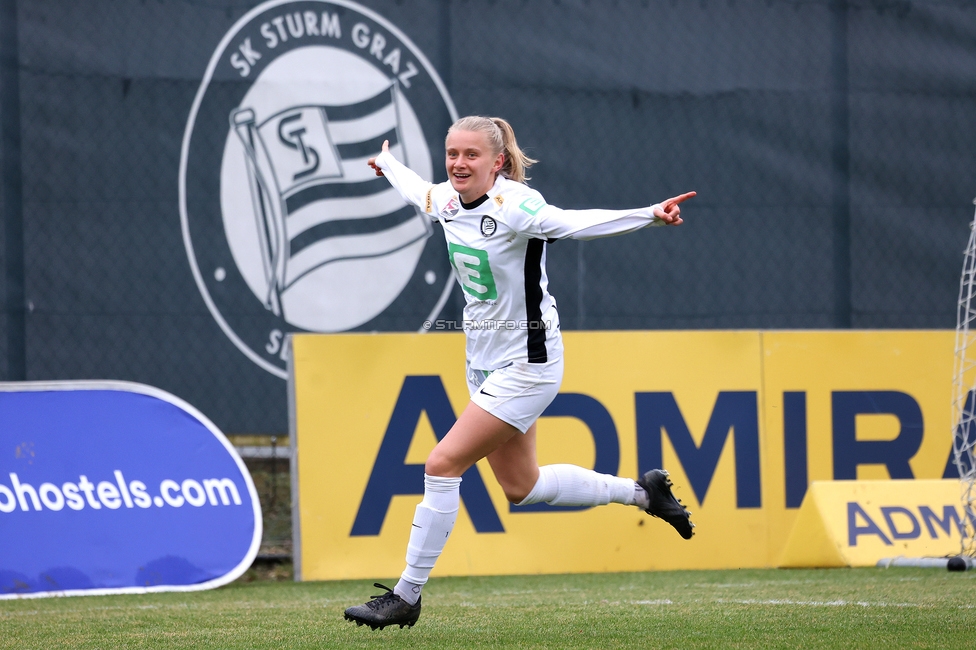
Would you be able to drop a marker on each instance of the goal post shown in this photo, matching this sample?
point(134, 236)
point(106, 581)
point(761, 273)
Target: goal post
point(964, 392)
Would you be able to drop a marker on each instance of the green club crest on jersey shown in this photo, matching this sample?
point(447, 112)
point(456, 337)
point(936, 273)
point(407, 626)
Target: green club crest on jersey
point(533, 205)
point(474, 271)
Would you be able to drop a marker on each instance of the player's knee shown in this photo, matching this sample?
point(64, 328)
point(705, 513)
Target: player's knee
point(440, 464)
point(516, 495)
point(515, 490)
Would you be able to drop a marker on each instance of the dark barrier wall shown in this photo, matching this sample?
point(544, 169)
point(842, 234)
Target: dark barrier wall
point(832, 145)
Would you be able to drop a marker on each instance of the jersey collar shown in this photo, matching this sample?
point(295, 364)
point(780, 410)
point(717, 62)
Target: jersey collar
point(474, 204)
point(493, 192)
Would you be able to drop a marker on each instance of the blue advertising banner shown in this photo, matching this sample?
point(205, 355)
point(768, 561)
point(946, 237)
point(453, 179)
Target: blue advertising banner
point(115, 487)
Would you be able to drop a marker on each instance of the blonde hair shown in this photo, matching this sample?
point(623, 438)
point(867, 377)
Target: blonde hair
point(501, 139)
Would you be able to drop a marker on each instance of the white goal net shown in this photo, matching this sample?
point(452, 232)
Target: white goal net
point(964, 391)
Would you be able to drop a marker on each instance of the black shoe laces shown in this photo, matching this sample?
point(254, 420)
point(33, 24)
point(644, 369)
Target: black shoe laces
point(375, 602)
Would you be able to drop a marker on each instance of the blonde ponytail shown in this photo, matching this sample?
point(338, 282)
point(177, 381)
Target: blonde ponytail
point(501, 139)
point(516, 162)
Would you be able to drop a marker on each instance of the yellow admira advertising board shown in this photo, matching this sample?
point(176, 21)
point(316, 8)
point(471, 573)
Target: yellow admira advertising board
point(745, 421)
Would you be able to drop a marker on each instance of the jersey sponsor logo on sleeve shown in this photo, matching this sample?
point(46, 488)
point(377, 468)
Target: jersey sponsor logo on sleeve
point(533, 205)
point(499, 200)
point(473, 270)
point(488, 226)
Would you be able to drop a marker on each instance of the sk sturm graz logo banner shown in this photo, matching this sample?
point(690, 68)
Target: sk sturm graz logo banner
point(286, 227)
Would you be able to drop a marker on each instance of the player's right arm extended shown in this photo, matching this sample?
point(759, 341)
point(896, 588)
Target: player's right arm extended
point(404, 180)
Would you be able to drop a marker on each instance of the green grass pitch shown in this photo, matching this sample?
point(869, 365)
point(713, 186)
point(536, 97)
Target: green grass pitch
point(770, 608)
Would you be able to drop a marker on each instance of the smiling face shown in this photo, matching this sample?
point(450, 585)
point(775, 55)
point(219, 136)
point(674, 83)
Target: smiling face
point(470, 163)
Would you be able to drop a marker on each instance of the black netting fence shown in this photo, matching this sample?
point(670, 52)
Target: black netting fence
point(831, 144)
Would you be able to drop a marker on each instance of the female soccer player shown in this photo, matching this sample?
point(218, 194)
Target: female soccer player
point(496, 229)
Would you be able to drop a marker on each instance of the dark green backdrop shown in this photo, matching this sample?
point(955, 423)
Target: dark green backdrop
point(832, 145)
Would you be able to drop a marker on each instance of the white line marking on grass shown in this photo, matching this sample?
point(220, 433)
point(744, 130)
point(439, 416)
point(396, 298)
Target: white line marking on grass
point(831, 603)
point(813, 603)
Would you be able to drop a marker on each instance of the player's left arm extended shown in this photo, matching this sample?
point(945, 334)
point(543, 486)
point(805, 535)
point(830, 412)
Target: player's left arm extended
point(557, 223)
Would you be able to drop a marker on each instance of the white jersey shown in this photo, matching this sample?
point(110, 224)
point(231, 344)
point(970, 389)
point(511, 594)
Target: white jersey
point(497, 248)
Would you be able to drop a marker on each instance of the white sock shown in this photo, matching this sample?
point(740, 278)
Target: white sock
point(641, 498)
point(569, 485)
point(433, 522)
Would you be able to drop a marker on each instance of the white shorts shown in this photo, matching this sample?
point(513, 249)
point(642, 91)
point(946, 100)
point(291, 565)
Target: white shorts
point(518, 393)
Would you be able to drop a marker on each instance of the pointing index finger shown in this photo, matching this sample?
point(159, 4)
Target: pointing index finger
point(679, 199)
